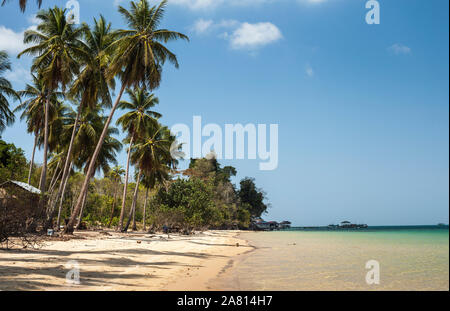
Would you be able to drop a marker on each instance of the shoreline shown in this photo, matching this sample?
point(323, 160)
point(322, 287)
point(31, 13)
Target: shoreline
point(115, 261)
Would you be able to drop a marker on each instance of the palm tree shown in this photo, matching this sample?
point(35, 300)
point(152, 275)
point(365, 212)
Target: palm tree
point(57, 47)
point(91, 125)
point(6, 116)
point(152, 150)
point(138, 59)
point(115, 174)
point(135, 123)
point(33, 111)
point(92, 84)
point(23, 4)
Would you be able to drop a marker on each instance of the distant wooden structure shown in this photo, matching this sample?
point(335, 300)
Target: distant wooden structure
point(16, 190)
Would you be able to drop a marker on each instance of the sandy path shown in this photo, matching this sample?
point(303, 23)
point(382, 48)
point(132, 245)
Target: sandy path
point(122, 262)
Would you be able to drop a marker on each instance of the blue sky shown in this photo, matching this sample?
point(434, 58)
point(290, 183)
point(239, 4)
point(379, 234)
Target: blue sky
point(362, 109)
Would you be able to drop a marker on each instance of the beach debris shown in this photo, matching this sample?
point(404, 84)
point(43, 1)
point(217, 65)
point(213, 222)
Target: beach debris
point(138, 242)
point(237, 244)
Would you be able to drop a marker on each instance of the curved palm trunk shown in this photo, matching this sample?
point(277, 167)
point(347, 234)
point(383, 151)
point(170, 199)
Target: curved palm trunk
point(133, 205)
point(32, 158)
point(125, 186)
point(70, 225)
point(68, 164)
point(144, 221)
point(58, 222)
point(81, 212)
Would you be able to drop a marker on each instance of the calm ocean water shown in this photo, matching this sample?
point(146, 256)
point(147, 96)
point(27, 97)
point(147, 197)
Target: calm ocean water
point(410, 258)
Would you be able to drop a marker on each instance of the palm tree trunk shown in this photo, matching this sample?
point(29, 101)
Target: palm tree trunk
point(44, 166)
point(52, 181)
point(133, 205)
point(125, 185)
point(58, 222)
point(81, 212)
point(52, 185)
point(145, 210)
point(113, 206)
point(134, 227)
point(32, 158)
point(84, 203)
point(70, 225)
point(68, 164)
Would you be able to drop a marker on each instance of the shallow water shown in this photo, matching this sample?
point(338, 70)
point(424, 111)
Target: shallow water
point(410, 259)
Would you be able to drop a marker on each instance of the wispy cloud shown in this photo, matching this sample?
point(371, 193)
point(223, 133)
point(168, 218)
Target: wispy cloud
point(198, 5)
point(18, 74)
point(399, 49)
point(309, 71)
point(202, 26)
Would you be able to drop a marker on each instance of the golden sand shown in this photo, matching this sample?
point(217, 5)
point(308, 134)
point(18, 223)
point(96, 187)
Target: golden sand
point(116, 261)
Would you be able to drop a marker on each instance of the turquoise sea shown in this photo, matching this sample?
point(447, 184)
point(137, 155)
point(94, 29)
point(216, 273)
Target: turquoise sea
point(409, 258)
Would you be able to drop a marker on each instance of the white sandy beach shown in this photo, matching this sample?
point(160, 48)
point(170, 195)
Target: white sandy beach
point(122, 262)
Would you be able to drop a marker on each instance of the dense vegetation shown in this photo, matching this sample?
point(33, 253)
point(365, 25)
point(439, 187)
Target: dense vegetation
point(68, 108)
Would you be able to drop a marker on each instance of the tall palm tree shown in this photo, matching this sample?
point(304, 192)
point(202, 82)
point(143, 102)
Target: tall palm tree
point(23, 4)
point(115, 174)
point(6, 90)
point(107, 156)
point(91, 125)
point(92, 85)
point(33, 111)
point(151, 151)
point(135, 123)
point(57, 47)
point(138, 57)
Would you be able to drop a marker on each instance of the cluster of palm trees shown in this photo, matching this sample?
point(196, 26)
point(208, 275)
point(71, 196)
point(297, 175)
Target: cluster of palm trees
point(80, 65)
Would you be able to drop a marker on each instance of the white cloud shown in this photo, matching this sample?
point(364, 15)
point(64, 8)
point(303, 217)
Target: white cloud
point(11, 41)
point(252, 36)
point(309, 70)
point(242, 36)
point(399, 49)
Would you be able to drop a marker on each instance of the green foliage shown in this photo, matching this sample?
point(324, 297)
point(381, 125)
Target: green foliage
point(207, 199)
point(253, 197)
point(12, 162)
